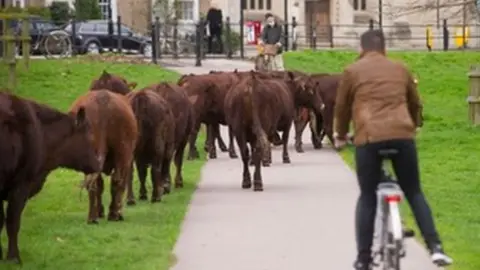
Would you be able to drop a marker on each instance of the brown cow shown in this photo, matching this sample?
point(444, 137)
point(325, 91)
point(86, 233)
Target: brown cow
point(115, 135)
point(35, 140)
point(114, 83)
point(321, 124)
point(211, 90)
point(182, 110)
point(155, 144)
point(256, 108)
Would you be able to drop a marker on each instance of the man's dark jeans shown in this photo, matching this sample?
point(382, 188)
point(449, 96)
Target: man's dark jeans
point(369, 174)
point(215, 32)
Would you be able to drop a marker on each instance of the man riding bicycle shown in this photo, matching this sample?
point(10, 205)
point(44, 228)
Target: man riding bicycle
point(272, 34)
point(381, 98)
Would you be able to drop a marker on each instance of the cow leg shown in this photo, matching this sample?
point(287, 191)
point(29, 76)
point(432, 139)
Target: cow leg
point(157, 183)
point(178, 160)
point(221, 143)
point(16, 204)
point(275, 140)
point(316, 130)
point(257, 157)
point(300, 125)
point(2, 222)
point(193, 152)
point(142, 167)
point(165, 175)
point(212, 150)
point(231, 146)
point(242, 146)
point(285, 135)
point(93, 195)
point(117, 190)
point(100, 187)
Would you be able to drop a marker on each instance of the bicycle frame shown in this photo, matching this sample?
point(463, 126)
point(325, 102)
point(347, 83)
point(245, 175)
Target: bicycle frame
point(390, 249)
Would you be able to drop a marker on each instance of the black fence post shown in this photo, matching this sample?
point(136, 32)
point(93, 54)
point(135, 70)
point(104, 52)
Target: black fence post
point(157, 33)
point(1, 35)
point(198, 44)
point(330, 35)
point(153, 34)
point(110, 32)
point(156, 41)
point(294, 33)
point(175, 39)
point(286, 36)
point(74, 36)
point(228, 37)
point(370, 24)
point(314, 38)
point(445, 35)
point(119, 34)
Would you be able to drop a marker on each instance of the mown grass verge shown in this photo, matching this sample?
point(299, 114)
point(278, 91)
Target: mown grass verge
point(448, 145)
point(54, 234)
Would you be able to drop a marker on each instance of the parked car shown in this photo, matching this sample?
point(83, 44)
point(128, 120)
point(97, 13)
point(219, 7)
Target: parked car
point(39, 29)
point(92, 37)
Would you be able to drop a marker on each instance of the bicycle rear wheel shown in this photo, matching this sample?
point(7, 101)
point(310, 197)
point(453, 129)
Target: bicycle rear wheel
point(57, 43)
point(392, 250)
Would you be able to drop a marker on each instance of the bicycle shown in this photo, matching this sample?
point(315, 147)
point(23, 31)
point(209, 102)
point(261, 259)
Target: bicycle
point(264, 60)
point(388, 219)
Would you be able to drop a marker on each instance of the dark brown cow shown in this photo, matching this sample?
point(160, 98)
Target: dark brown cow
point(321, 124)
point(115, 135)
point(182, 110)
point(156, 142)
point(35, 140)
point(256, 108)
point(114, 83)
point(211, 90)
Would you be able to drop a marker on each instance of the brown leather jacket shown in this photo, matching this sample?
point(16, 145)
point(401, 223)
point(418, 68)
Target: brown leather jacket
point(381, 98)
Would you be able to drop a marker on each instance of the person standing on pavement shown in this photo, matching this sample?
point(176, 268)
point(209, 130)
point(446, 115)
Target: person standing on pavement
point(272, 34)
point(381, 98)
point(215, 27)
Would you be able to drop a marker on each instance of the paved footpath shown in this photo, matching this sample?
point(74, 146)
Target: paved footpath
point(303, 220)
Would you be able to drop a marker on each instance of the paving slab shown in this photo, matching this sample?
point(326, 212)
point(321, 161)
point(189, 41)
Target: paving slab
point(304, 219)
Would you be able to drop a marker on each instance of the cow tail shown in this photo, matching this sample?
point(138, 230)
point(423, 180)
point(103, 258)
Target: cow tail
point(262, 137)
point(140, 105)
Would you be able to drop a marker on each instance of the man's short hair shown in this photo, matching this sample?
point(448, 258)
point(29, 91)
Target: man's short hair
point(373, 40)
point(268, 15)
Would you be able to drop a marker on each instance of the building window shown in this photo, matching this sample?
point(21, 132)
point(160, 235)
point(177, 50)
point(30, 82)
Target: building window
point(359, 4)
point(185, 10)
point(252, 4)
point(103, 4)
point(269, 4)
point(260, 4)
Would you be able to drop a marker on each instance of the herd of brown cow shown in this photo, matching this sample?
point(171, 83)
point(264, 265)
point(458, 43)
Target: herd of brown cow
point(111, 127)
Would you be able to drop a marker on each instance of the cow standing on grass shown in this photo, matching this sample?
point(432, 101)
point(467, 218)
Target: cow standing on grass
point(156, 142)
point(35, 140)
point(182, 110)
point(115, 134)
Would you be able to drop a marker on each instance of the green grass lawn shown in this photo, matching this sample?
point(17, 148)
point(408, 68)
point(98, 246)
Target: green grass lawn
point(54, 234)
point(449, 147)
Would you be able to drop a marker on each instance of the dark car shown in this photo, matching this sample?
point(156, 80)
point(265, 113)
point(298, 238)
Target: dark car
point(92, 37)
point(38, 29)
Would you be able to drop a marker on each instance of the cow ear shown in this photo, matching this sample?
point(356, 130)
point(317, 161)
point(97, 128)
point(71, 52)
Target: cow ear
point(105, 74)
point(193, 99)
point(81, 118)
point(132, 85)
point(291, 76)
point(235, 71)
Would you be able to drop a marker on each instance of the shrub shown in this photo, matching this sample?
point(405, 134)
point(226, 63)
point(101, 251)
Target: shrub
point(60, 12)
point(87, 10)
point(43, 12)
point(235, 40)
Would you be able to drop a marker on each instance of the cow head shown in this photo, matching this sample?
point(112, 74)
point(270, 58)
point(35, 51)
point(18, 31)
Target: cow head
point(304, 91)
point(114, 83)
